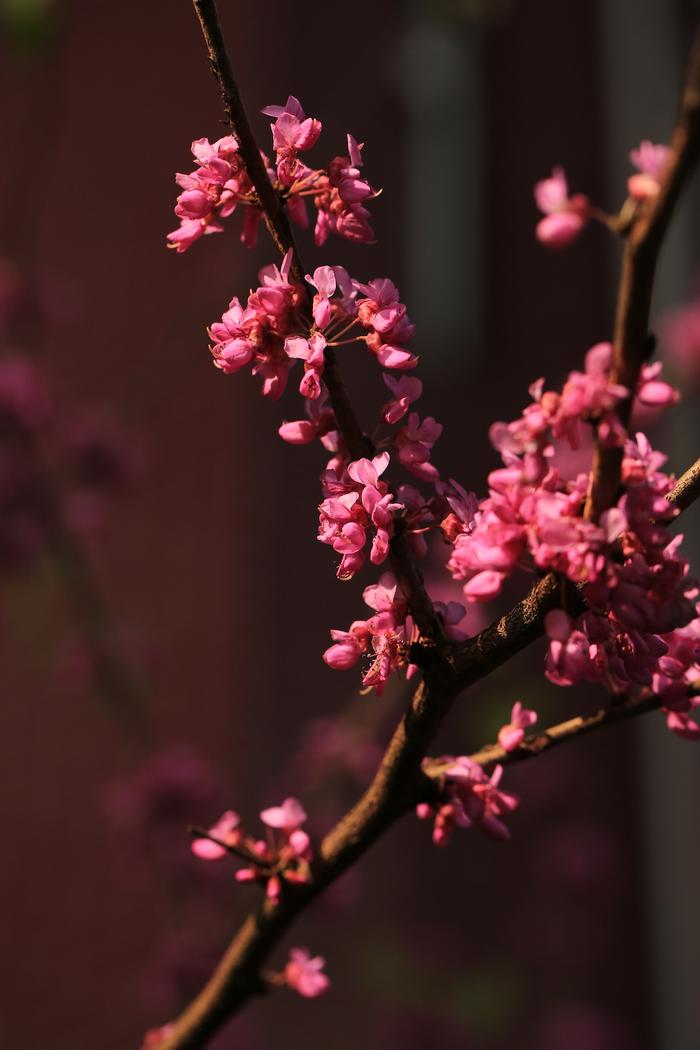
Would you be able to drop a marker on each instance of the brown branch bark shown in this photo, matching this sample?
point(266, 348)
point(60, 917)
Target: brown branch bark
point(687, 488)
point(356, 441)
point(645, 237)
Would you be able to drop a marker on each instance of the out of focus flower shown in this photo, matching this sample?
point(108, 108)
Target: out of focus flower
point(305, 974)
point(512, 735)
point(650, 160)
point(565, 216)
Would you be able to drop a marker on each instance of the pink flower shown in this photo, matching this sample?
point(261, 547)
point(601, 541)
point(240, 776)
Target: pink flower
point(292, 133)
point(384, 636)
point(405, 390)
point(287, 817)
point(211, 192)
point(565, 217)
point(346, 651)
point(305, 975)
point(470, 797)
point(320, 424)
point(340, 195)
point(414, 443)
point(650, 159)
point(512, 735)
point(226, 831)
point(324, 281)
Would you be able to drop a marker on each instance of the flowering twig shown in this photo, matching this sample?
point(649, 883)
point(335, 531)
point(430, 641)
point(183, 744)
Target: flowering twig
point(644, 237)
point(400, 782)
point(524, 623)
point(537, 743)
point(396, 788)
point(357, 442)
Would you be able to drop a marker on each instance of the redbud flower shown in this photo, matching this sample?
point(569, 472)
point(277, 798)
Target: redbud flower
point(405, 390)
point(650, 159)
point(287, 817)
point(305, 975)
point(565, 217)
point(226, 830)
point(512, 735)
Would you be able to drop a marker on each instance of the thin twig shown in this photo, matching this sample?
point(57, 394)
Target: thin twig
point(537, 743)
point(632, 343)
point(356, 441)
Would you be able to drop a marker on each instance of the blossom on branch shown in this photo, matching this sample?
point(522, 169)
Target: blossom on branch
point(469, 797)
point(305, 974)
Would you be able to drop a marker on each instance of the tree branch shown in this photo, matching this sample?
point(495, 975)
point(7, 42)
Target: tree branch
point(356, 441)
point(397, 786)
point(632, 343)
point(399, 782)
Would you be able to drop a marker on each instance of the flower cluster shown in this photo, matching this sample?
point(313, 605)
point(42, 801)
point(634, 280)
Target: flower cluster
point(386, 637)
point(274, 331)
point(636, 585)
point(282, 858)
point(565, 216)
point(468, 798)
point(220, 183)
point(533, 516)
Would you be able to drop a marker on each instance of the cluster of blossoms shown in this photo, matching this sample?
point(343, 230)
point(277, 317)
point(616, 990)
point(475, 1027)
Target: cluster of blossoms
point(220, 183)
point(639, 628)
point(274, 330)
point(386, 637)
point(468, 798)
point(566, 215)
point(633, 578)
point(280, 858)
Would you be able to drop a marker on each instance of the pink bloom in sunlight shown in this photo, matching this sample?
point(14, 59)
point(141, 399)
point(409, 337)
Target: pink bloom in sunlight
point(512, 735)
point(565, 216)
point(405, 390)
point(292, 132)
point(650, 160)
point(287, 817)
point(305, 974)
point(226, 830)
point(324, 281)
point(320, 424)
point(469, 797)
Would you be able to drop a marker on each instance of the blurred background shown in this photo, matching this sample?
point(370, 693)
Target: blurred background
point(189, 555)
